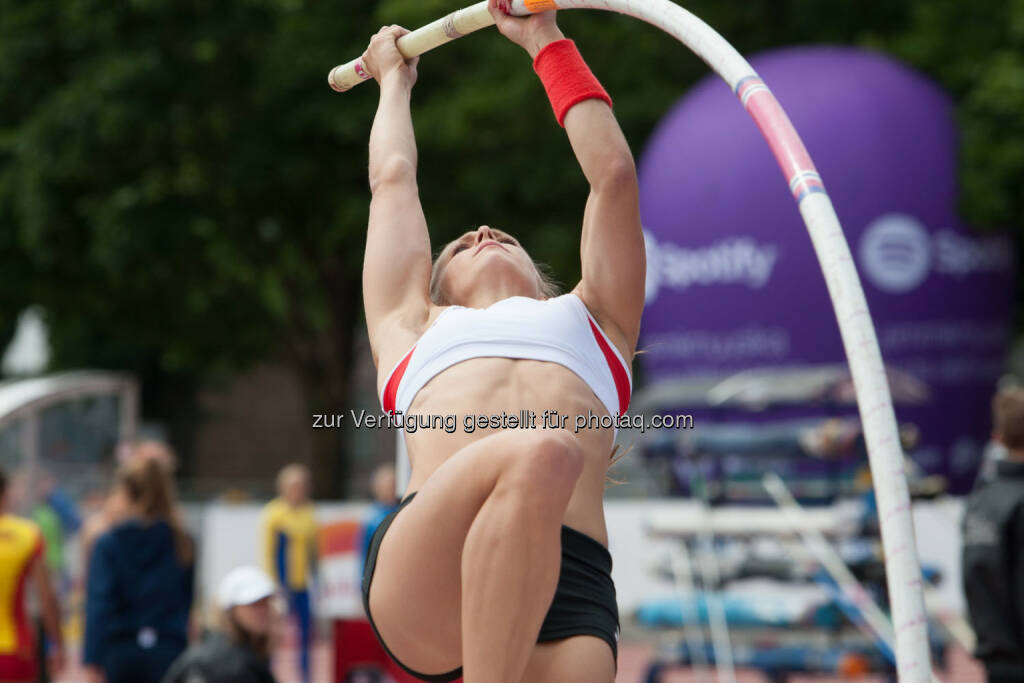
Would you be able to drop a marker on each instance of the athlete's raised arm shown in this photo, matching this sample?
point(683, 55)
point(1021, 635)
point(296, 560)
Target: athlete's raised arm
point(612, 245)
point(396, 267)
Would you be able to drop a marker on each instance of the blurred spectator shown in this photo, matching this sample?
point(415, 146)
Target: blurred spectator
point(57, 516)
point(140, 580)
point(240, 651)
point(290, 547)
point(62, 504)
point(993, 549)
point(385, 500)
point(50, 525)
point(991, 455)
point(113, 510)
point(22, 551)
point(994, 450)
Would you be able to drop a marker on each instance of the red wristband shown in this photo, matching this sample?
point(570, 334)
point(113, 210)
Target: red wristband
point(566, 77)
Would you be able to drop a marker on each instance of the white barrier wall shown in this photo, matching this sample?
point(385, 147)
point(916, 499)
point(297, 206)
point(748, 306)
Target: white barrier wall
point(230, 535)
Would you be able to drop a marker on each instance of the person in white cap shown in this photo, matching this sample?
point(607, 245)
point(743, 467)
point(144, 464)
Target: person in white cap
point(240, 652)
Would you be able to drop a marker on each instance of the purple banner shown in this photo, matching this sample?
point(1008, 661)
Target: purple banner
point(733, 282)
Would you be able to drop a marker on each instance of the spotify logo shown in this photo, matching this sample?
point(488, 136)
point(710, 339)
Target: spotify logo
point(896, 253)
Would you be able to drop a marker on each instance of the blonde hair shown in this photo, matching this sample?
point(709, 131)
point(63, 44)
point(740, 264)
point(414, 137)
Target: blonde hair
point(613, 460)
point(147, 449)
point(1008, 417)
point(289, 473)
point(149, 486)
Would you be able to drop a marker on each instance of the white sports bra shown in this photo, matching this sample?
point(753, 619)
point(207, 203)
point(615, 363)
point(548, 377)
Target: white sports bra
point(558, 330)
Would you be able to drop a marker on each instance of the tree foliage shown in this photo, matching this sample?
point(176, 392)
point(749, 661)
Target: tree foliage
point(184, 195)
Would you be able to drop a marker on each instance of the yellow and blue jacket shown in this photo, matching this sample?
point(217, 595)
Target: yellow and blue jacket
point(289, 543)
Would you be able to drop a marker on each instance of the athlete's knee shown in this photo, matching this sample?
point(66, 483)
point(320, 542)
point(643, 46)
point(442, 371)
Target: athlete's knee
point(548, 465)
point(560, 452)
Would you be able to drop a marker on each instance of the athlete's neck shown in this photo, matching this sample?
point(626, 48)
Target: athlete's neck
point(482, 297)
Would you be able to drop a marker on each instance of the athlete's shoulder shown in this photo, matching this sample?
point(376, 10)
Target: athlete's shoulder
point(21, 531)
point(19, 525)
point(274, 509)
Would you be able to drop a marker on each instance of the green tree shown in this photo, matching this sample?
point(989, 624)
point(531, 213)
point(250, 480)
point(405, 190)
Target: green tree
point(976, 52)
point(173, 180)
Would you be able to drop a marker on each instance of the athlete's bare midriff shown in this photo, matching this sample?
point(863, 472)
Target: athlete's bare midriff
point(485, 387)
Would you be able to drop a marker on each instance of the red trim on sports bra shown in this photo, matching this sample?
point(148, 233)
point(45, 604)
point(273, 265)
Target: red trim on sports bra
point(615, 365)
point(391, 388)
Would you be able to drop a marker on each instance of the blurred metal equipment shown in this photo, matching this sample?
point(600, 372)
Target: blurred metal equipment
point(27, 403)
point(846, 582)
point(760, 388)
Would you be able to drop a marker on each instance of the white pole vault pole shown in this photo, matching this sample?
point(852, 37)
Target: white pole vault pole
point(885, 454)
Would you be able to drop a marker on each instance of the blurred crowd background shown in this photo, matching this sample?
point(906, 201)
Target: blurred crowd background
point(183, 203)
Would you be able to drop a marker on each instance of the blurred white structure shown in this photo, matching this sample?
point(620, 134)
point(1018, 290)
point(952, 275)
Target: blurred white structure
point(641, 534)
point(59, 413)
point(29, 350)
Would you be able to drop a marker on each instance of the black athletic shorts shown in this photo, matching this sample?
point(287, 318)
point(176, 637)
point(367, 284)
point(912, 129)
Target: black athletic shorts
point(584, 602)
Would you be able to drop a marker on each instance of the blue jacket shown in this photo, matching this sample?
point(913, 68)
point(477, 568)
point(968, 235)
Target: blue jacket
point(136, 585)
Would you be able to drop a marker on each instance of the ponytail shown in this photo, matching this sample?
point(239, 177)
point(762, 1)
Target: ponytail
point(150, 487)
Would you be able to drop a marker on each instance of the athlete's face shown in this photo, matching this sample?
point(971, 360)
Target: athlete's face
point(256, 618)
point(296, 489)
point(384, 485)
point(483, 255)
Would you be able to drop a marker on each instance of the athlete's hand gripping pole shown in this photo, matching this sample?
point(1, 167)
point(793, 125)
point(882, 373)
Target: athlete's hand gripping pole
point(446, 29)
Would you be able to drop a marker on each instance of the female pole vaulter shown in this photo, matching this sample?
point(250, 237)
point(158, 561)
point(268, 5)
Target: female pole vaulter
point(495, 565)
